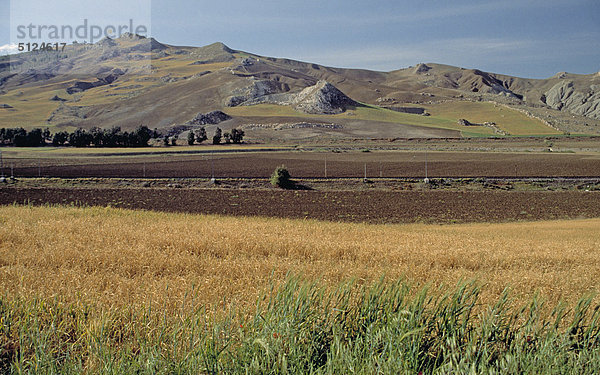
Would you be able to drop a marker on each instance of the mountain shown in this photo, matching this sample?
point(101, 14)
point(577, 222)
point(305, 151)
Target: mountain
point(134, 80)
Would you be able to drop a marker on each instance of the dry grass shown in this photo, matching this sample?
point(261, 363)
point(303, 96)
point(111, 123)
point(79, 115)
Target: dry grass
point(117, 257)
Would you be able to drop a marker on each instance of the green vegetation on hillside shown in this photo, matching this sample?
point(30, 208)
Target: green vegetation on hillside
point(444, 116)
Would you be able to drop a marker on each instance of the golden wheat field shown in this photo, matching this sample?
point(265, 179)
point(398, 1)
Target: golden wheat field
point(118, 258)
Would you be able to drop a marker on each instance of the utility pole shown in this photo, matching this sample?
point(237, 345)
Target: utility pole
point(212, 166)
point(426, 175)
point(365, 171)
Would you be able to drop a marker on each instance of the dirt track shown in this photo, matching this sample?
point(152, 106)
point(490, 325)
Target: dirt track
point(353, 206)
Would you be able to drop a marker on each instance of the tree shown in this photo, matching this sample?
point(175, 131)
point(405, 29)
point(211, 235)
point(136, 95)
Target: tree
point(237, 135)
point(227, 137)
point(166, 140)
point(217, 137)
point(35, 138)
point(201, 135)
point(281, 178)
point(80, 138)
point(97, 136)
point(47, 135)
point(60, 138)
point(174, 140)
point(140, 136)
point(17, 136)
point(191, 138)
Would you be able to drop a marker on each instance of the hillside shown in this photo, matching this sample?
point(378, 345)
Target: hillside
point(134, 80)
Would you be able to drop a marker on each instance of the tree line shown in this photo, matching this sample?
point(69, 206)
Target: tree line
point(97, 137)
point(236, 136)
point(113, 137)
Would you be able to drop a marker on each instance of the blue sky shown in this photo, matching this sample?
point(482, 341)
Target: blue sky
point(527, 38)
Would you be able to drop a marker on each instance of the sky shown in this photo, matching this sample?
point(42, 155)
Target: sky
point(525, 38)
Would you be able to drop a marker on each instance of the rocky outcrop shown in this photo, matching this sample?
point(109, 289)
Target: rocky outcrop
point(80, 86)
point(105, 79)
point(57, 98)
point(409, 110)
point(295, 125)
point(210, 118)
point(422, 68)
point(322, 98)
point(254, 90)
point(487, 83)
point(564, 96)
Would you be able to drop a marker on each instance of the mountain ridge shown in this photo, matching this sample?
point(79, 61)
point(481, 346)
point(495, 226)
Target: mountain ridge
point(132, 80)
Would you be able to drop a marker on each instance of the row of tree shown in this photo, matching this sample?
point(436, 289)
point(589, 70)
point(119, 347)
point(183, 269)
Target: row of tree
point(113, 137)
point(22, 138)
point(235, 136)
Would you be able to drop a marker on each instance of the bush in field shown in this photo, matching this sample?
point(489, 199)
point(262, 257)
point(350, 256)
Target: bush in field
point(191, 138)
point(281, 178)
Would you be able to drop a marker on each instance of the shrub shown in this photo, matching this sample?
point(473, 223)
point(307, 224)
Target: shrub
point(191, 138)
point(281, 178)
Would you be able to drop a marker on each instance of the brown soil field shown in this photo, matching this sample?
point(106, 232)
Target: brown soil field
point(348, 206)
point(315, 165)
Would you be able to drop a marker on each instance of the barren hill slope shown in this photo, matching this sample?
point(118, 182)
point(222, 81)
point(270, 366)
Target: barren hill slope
point(134, 80)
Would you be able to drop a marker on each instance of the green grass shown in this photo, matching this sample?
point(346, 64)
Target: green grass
point(443, 116)
point(301, 328)
point(366, 113)
point(509, 120)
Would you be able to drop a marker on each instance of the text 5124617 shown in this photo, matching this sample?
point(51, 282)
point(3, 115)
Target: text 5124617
point(29, 47)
